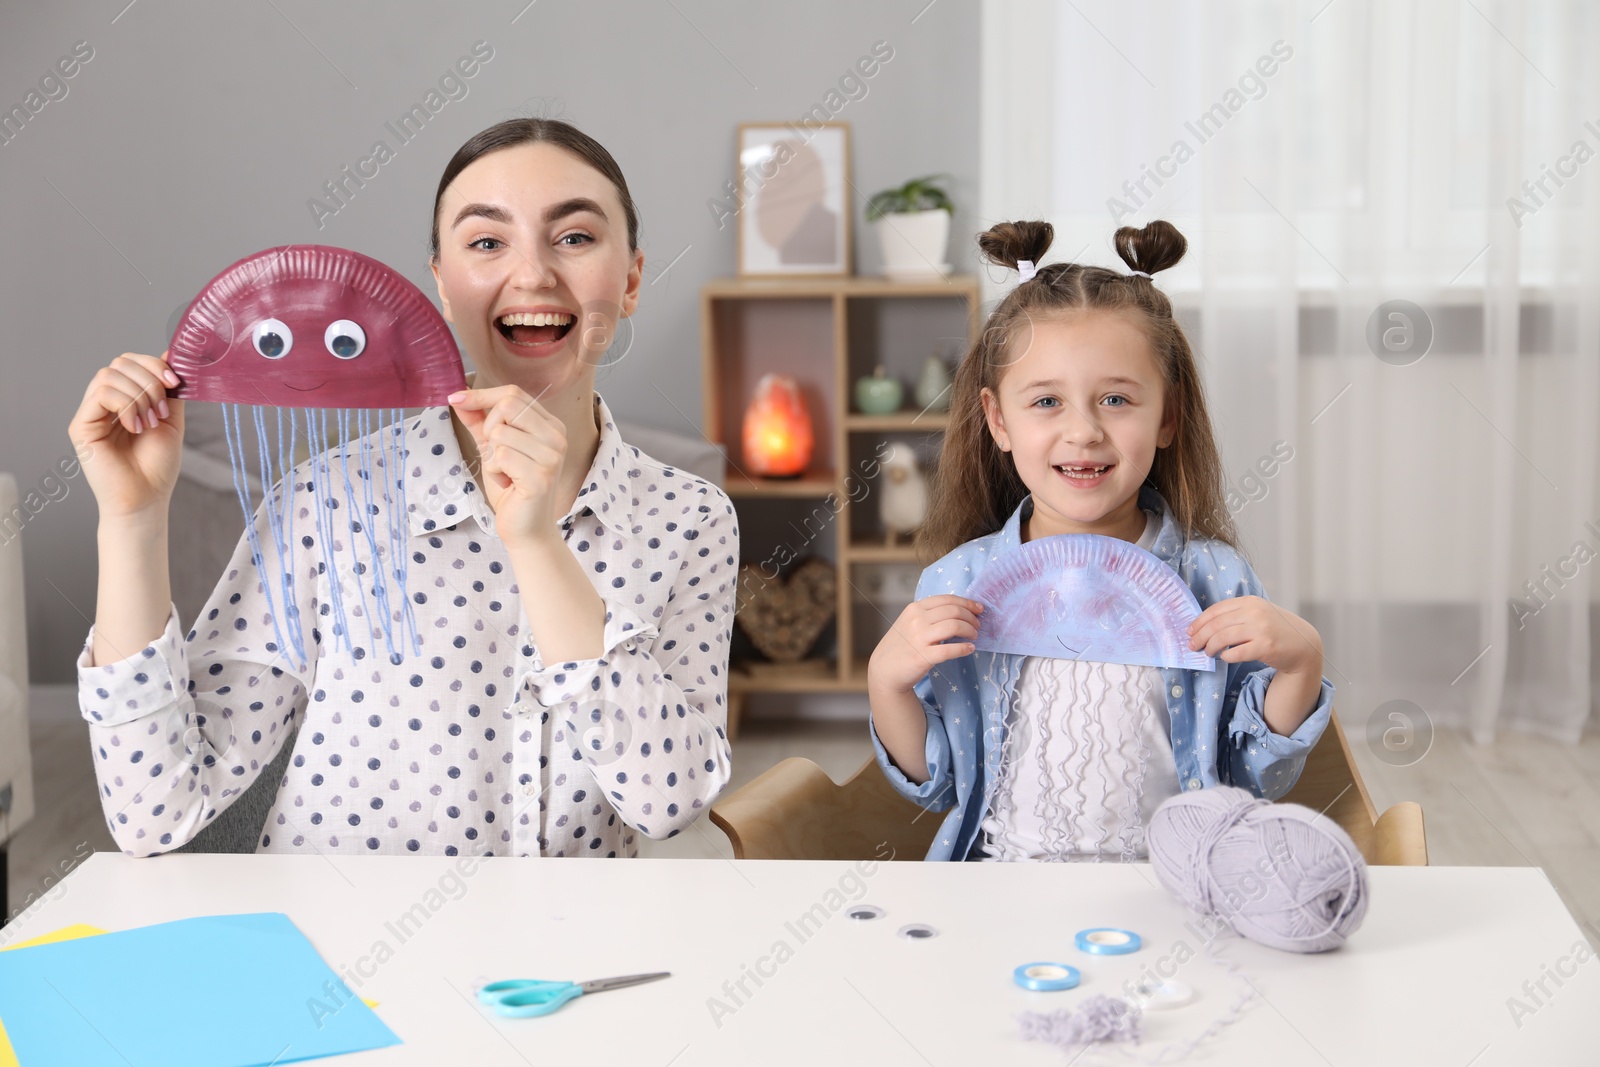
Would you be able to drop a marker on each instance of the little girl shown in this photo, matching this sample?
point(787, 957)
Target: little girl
point(1080, 410)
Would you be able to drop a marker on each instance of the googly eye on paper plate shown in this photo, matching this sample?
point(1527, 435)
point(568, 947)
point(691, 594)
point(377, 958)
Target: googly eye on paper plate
point(917, 932)
point(864, 912)
point(345, 339)
point(272, 338)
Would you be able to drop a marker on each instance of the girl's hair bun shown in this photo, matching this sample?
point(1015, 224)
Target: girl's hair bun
point(1152, 248)
point(1011, 242)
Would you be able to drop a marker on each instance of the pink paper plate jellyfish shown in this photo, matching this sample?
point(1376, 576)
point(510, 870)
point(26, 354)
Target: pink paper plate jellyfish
point(305, 330)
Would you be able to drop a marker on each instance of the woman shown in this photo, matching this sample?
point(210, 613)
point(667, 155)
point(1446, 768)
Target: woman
point(556, 723)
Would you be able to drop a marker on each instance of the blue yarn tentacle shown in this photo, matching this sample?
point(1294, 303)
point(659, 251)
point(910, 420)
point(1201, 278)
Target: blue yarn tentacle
point(350, 500)
point(278, 518)
point(390, 502)
point(317, 435)
point(264, 465)
point(380, 587)
point(403, 527)
point(290, 490)
point(235, 437)
point(314, 487)
point(389, 459)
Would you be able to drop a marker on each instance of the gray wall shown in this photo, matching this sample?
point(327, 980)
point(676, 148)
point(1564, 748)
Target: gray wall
point(197, 133)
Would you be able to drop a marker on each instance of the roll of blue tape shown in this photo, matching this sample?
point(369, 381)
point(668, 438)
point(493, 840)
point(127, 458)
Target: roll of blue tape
point(1046, 977)
point(1105, 941)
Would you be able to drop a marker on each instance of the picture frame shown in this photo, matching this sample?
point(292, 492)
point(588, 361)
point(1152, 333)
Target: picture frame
point(794, 207)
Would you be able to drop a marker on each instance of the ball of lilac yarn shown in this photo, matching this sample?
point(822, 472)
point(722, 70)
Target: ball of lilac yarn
point(1280, 874)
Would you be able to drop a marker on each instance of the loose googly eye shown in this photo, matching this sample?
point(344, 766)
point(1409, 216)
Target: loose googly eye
point(345, 339)
point(917, 932)
point(1157, 994)
point(272, 338)
point(865, 912)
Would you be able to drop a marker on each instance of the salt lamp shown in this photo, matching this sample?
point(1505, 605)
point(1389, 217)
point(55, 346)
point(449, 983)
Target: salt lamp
point(777, 429)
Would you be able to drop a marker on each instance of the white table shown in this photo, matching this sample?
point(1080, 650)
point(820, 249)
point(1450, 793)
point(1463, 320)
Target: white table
point(1426, 980)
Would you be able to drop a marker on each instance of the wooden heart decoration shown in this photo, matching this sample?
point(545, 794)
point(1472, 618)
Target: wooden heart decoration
point(784, 618)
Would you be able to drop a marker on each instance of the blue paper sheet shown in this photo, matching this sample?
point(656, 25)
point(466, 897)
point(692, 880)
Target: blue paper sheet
point(218, 991)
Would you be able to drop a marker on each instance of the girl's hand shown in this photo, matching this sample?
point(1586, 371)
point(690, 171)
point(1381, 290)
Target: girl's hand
point(1246, 628)
point(915, 642)
point(521, 447)
point(129, 436)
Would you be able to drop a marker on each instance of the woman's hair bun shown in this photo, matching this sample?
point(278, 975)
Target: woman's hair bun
point(1009, 243)
point(1151, 248)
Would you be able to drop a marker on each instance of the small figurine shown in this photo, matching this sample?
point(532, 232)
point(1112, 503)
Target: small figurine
point(933, 386)
point(879, 394)
point(903, 503)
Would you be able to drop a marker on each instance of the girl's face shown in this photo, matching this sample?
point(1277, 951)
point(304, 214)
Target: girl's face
point(1083, 393)
point(534, 268)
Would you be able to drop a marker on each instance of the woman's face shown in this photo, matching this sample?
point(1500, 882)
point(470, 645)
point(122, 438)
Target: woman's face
point(1082, 391)
point(534, 268)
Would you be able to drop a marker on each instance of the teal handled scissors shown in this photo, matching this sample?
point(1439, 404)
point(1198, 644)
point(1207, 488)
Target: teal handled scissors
point(519, 998)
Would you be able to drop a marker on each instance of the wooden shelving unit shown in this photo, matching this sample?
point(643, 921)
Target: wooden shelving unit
point(826, 333)
point(865, 552)
point(811, 484)
point(901, 420)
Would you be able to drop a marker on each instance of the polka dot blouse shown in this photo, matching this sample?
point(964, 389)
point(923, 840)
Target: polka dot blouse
point(474, 747)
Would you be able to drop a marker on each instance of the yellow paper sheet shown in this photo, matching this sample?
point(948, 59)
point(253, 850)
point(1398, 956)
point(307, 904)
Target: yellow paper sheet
point(66, 933)
point(8, 1055)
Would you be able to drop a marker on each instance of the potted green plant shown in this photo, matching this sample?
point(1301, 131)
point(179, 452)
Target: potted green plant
point(913, 224)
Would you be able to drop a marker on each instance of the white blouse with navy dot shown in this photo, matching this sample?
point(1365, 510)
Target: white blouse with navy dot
point(474, 747)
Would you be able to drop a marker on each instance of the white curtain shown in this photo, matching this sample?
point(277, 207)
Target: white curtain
point(1437, 516)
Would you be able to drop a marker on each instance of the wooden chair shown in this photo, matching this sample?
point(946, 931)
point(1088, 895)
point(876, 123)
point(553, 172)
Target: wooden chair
point(795, 811)
point(1330, 783)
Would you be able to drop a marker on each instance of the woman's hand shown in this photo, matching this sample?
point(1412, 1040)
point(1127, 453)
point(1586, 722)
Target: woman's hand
point(521, 447)
point(1245, 628)
point(916, 641)
point(131, 436)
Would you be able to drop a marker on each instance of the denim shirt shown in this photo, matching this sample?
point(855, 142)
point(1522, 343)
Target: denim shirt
point(1218, 734)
